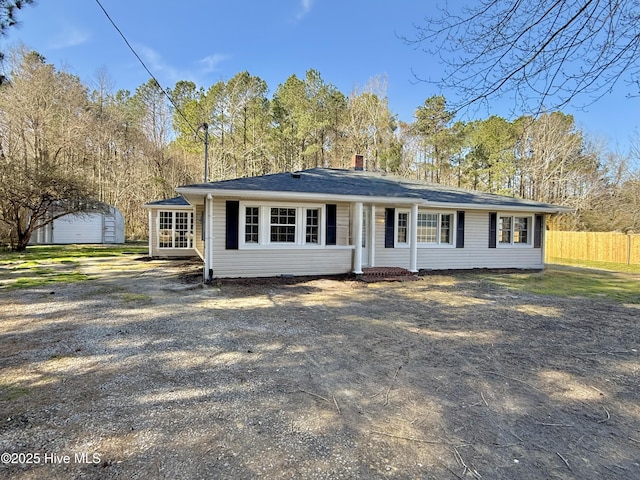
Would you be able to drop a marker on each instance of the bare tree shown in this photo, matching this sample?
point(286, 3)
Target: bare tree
point(8, 19)
point(546, 52)
point(42, 172)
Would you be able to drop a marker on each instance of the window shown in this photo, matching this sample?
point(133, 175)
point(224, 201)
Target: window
point(514, 230)
point(175, 229)
point(521, 230)
point(435, 228)
point(402, 232)
point(504, 230)
point(445, 228)
point(182, 231)
point(427, 228)
point(165, 232)
point(312, 228)
point(251, 225)
point(283, 225)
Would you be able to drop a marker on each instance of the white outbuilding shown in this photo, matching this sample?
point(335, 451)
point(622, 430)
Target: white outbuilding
point(103, 226)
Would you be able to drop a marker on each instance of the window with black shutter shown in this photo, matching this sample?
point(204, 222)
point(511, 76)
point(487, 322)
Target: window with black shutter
point(460, 230)
point(331, 224)
point(232, 224)
point(493, 225)
point(389, 227)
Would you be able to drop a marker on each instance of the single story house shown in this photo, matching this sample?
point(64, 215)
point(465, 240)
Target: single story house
point(328, 221)
point(103, 225)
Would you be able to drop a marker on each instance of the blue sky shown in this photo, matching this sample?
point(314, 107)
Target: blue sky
point(348, 42)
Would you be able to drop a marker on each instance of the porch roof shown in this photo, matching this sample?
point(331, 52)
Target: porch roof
point(178, 201)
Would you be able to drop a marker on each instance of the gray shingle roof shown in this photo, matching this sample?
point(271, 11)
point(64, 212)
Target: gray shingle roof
point(179, 201)
point(350, 182)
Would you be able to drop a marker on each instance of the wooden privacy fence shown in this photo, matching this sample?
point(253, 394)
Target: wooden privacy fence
point(595, 246)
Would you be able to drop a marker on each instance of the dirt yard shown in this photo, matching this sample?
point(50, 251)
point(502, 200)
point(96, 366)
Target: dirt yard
point(140, 373)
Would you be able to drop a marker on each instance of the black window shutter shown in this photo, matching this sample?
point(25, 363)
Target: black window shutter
point(389, 227)
point(493, 227)
point(232, 224)
point(460, 230)
point(332, 224)
point(537, 232)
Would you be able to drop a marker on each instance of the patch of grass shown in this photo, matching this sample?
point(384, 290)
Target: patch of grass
point(66, 253)
point(13, 392)
point(135, 297)
point(609, 266)
point(49, 277)
point(574, 283)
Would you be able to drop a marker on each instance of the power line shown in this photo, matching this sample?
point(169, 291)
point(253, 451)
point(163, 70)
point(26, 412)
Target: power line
point(195, 131)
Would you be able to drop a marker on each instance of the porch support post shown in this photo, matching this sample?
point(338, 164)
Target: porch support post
point(357, 238)
point(151, 238)
point(207, 273)
point(413, 240)
point(371, 241)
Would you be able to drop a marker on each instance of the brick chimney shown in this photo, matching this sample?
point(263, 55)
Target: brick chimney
point(357, 162)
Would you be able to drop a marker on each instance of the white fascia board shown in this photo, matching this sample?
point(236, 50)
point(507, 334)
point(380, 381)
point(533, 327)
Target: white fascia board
point(168, 207)
point(189, 193)
point(197, 195)
point(498, 208)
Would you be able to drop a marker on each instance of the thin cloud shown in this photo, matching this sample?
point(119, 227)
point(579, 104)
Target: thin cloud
point(305, 8)
point(168, 74)
point(70, 37)
point(210, 63)
point(157, 65)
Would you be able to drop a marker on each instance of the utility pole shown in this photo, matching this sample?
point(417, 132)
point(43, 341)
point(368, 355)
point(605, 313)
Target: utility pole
point(205, 127)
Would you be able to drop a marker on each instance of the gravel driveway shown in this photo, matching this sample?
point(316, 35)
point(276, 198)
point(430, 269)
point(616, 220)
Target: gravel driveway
point(142, 373)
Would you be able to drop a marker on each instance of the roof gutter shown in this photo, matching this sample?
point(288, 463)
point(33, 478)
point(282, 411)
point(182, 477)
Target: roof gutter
point(196, 195)
point(275, 195)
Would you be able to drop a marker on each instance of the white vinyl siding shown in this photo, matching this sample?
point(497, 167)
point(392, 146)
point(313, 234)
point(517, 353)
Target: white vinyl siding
point(475, 254)
point(265, 260)
point(272, 259)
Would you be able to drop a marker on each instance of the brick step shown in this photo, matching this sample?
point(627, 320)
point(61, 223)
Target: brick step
point(387, 271)
point(387, 274)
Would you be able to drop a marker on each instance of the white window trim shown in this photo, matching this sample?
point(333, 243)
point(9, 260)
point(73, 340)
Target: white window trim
point(396, 223)
point(190, 229)
point(264, 226)
point(512, 244)
point(453, 227)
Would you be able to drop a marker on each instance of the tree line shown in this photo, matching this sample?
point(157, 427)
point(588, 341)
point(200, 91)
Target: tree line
point(65, 146)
